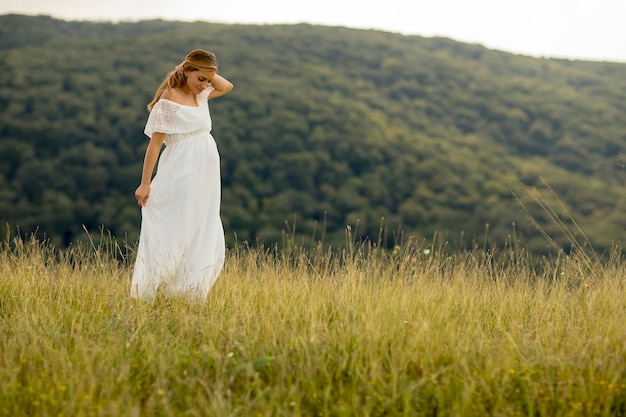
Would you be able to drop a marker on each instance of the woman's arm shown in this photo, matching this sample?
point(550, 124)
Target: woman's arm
point(221, 85)
point(152, 155)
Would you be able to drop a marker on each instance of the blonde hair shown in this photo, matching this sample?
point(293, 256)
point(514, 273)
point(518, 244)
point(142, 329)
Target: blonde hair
point(196, 60)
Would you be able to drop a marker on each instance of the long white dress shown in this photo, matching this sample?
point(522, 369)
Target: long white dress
point(181, 245)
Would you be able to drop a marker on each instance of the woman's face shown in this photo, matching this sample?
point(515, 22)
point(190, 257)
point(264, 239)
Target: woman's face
point(199, 80)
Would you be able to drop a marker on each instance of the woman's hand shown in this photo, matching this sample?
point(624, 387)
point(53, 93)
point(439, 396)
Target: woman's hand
point(221, 86)
point(141, 194)
point(152, 155)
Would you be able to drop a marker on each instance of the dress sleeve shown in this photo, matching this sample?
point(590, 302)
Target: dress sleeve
point(165, 117)
point(205, 94)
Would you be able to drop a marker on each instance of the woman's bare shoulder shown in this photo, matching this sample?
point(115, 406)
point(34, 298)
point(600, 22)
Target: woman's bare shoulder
point(167, 94)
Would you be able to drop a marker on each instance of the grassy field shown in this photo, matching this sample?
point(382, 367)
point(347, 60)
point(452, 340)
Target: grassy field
point(301, 333)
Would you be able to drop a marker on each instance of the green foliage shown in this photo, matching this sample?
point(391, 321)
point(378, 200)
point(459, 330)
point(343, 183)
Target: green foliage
point(328, 126)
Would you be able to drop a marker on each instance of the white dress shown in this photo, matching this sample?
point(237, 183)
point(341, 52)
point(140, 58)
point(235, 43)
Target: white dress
point(181, 244)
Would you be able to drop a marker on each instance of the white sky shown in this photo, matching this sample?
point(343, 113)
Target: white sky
point(575, 29)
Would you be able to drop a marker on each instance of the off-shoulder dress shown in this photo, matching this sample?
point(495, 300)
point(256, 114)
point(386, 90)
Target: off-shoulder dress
point(181, 244)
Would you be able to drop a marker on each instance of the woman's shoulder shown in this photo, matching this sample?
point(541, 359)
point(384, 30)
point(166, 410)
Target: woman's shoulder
point(169, 100)
point(175, 95)
point(168, 94)
point(167, 104)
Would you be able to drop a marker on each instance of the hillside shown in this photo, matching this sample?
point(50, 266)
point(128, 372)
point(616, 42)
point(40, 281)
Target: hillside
point(327, 127)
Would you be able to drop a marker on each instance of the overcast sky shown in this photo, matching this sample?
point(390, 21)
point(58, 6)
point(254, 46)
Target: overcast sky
point(576, 29)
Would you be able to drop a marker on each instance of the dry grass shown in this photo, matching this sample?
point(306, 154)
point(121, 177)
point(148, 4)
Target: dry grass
point(289, 333)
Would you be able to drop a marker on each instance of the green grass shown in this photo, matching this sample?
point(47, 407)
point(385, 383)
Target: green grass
point(292, 332)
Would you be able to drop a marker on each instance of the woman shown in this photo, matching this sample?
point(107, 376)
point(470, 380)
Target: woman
point(181, 245)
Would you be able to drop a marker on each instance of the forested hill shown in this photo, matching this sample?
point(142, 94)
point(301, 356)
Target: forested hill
point(326, 127)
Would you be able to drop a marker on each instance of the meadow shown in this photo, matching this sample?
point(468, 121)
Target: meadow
point(417, 331)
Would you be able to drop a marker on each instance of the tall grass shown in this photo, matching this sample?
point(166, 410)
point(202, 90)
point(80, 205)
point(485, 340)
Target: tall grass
point(295, 332)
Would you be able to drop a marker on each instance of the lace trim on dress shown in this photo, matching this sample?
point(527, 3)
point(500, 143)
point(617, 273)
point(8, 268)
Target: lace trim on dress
point(170, 117)
point(167, 117)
